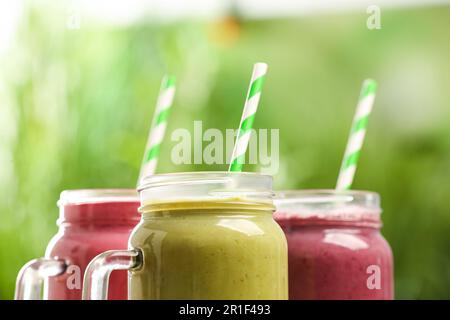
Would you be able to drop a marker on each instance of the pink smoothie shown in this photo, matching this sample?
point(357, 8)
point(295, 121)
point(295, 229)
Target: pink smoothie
point(337, 254)
point(86, 230)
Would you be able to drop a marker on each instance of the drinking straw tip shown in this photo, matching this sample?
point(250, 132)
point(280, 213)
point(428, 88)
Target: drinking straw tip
point(169, 81)
point(369, 88)
point(261, 66)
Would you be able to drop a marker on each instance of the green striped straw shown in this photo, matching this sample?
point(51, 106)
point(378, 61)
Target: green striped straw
point(357, 134)
point(248, 117)
point(158, 127)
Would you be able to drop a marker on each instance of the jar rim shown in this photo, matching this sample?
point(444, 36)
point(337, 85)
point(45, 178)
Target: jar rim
point(157, 180)
point(87, 196)
point(312, 197)
point(327, 205)
point(206, 185)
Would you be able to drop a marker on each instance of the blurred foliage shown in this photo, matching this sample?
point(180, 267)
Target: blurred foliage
point(75, 106)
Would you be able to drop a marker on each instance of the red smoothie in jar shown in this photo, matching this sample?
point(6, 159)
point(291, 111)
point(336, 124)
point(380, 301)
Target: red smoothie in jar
point(90, 222)
point(336, 250)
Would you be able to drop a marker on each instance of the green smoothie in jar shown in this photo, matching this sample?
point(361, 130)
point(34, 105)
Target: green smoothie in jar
point(207, 235)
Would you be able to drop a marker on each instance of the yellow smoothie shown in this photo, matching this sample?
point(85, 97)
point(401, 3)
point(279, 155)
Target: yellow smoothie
point(209, 249)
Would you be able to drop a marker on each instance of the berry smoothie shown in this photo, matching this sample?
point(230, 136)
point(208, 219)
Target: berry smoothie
point(336, 250)
point(90, 222)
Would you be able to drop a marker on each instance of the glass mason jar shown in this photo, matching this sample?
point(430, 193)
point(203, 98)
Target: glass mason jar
point(336, 250)
point(90, 222)
point(202, 235)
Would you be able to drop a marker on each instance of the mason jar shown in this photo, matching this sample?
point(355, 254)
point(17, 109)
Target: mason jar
point(202, 235)
point(90, 222)
point(336, 250)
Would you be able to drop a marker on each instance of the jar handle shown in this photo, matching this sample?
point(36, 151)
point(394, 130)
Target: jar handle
point(31, 276)
point(96, 277)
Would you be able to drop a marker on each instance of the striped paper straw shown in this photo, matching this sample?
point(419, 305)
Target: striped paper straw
point(158, 127)
point(248, 117)
point(357, 134)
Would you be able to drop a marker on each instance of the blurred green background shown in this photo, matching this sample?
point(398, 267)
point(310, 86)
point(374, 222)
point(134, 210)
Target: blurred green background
point(75, 106)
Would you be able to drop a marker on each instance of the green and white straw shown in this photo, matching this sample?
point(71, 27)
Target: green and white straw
point(248, 117)
point(357, 134)
point(158, 127)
